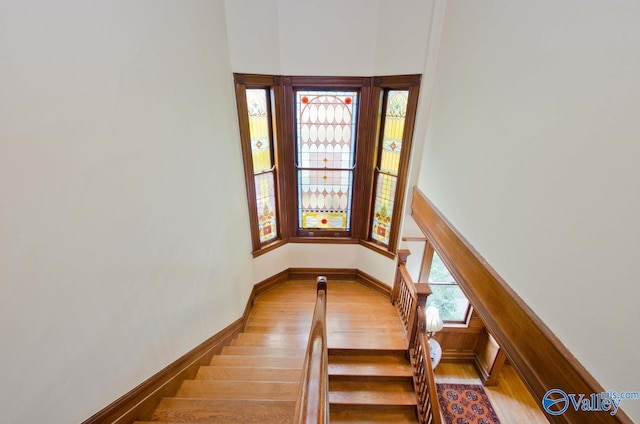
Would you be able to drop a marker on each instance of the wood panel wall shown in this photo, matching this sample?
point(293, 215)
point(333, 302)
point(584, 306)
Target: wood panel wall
point(459, 342)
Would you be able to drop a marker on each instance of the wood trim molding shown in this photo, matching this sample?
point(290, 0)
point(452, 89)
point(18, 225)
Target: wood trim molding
point(139, 403)
point(378, 248)
point(373, 284)
point(541, 359)
point(454, 357)
point(268, 248)
point(330, 273)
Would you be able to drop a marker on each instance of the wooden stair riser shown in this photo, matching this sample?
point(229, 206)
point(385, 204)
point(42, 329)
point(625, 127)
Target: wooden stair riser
point(362, 391)
point(238, 390)
point(176, 410)
point(290, 375)
point(257, 362)
point(369, 365)
point(374, 414)
point(262, 351)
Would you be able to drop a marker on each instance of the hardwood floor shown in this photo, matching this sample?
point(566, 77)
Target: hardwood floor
point(510, 398)
point(256, 378)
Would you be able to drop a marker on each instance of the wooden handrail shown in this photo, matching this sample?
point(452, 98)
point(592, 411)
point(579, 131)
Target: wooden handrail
point(410, 298)
point(312, 406)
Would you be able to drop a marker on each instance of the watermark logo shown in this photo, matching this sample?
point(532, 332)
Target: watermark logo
point(556, 401)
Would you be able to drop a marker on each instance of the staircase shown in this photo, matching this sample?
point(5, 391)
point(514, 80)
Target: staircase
point(256, 379)
point(371, 386)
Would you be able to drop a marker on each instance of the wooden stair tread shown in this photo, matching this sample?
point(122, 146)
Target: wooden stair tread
point(229, 390)
point(297, 341)
point(369, 365)
point(279, 329)
point(372, 328)
point(291, 375)
point(284, 306)
point(176, 410)
point(257, 361)
point(358, 414)
point(365, 392)
point(298, 315)
point(263, 351)
point(366, 341)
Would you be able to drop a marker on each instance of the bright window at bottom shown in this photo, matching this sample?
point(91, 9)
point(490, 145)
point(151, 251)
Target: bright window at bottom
point(446, 295)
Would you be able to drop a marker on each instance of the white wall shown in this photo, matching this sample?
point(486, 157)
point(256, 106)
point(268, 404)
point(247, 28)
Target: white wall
point(308, 255)
point(532, 153)
point(355, 38)
point(332, 37)
point(121, 247)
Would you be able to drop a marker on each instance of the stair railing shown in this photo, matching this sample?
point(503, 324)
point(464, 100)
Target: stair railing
point(312, 406)
point(410, 299)
point(423, 379)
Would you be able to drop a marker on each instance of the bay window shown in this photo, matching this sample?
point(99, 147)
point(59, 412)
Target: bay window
point(326, 158)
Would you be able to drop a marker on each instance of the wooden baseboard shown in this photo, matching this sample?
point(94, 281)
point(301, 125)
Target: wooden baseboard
point(458, 357)
point(342, 274)
point(330, 273)
point(373, 283)
point(541, 359)
point(481, 368)
point(140, 402)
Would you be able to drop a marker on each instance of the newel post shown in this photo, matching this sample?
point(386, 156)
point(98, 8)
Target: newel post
point(403, 254)
point(321, 283)
point(423, 291)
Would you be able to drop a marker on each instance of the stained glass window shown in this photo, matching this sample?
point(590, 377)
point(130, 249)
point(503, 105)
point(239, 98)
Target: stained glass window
point(395, 113)
point(265, 201)
point(304, 147)
point(325, 132)
point(263, 170)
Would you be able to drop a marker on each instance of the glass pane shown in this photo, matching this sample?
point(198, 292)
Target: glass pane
point(439, 272)
point(449, 300)
point(383, 207)
point(395, 114)
point(326, 128)
point(326, 133)
point(266, 204)
point(259, 130)
point(324, 198)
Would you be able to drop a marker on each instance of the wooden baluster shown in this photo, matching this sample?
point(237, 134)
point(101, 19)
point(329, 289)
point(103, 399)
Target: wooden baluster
point(425, 384)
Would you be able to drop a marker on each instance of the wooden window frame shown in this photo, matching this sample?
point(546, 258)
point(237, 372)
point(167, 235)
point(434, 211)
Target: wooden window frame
point(425, 271)
point(282, 91)
point(381, 87)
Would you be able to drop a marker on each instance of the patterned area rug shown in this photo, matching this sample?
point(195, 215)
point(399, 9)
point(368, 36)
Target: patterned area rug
point(465, 404)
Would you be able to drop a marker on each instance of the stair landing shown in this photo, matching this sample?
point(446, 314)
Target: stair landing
point(256, 378)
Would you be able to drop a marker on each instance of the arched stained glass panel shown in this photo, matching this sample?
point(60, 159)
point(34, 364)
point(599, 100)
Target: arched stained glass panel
point(325, 151)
